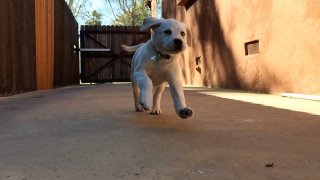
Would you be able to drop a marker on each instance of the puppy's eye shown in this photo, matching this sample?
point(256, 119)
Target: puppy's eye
point(183, 33)
point(168, 32)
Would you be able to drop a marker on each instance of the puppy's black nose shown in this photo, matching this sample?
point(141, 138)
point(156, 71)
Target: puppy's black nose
point(177, 42)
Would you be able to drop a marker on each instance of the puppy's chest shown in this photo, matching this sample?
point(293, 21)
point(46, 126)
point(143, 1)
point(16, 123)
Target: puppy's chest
point(157, 71)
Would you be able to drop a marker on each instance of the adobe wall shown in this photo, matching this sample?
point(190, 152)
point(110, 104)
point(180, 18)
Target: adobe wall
point(289, 44)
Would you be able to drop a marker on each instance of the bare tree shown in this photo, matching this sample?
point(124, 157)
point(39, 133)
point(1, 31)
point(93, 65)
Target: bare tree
point(78, 7)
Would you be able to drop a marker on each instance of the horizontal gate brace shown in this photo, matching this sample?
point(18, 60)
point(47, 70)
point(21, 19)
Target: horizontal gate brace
point(93, 49)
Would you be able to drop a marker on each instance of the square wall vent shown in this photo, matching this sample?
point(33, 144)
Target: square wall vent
point(251, 47)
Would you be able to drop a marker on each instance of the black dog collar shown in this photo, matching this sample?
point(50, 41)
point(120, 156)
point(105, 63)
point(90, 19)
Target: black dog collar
point(163, 56)
point(160, 55)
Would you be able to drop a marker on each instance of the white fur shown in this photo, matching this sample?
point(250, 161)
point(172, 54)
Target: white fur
point(150, 71)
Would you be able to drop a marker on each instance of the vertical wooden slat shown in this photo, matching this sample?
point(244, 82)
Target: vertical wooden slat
point(28, 58)
point(59, 40)
point(108, 71)
point(66, 61)
point(44, 15)
point(17, 46)
point(114, 41)
point(82, 45)
point(104, 40)
point(4, 47)
point(14, 46)
point(90, 44)
point(50, 41)
point(74, 55)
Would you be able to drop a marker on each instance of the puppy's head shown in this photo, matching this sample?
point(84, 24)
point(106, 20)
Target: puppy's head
point(169, 36)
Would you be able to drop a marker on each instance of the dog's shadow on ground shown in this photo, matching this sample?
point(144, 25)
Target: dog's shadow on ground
point(168, 121)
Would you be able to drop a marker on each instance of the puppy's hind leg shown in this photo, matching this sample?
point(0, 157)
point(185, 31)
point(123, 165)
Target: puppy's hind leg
point(156, 109)
point(145, 86)
point(136, 92)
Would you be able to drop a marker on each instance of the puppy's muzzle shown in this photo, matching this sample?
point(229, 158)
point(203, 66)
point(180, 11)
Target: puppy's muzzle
point(178, 44)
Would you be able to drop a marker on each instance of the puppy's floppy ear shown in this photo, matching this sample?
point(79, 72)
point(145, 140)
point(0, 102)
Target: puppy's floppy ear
point(150, 23)
point(189, 37)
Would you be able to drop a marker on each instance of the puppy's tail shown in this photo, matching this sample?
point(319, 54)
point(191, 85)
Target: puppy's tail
point(131, 48)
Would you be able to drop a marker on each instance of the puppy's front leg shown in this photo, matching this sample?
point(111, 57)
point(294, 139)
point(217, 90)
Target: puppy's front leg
point(177, 94)
point(145, 85)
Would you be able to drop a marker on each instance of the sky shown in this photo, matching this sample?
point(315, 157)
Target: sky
point(102, 7)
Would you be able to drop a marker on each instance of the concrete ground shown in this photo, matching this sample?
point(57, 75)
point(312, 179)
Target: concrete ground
point(92, 132)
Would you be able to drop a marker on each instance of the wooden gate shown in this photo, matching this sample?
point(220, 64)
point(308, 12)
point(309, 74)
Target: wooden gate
point(102, 58)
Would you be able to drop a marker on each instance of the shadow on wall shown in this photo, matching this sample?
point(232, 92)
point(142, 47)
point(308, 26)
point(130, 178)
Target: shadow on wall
point(219, 61)
point(221, 67)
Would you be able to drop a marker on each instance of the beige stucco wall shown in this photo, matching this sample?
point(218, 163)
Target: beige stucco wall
point(289, 42)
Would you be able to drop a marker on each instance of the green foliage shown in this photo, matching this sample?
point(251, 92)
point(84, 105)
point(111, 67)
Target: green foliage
point(131, 12)
point(95, 18)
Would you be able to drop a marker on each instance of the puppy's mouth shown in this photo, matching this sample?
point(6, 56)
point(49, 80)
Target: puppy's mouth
point(178, 48)
point(178, 45)
point(171, 51)
point(175, 50)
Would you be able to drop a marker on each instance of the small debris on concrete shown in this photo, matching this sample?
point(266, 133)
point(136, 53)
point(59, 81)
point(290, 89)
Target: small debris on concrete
point(269, 165)
point(203, 173)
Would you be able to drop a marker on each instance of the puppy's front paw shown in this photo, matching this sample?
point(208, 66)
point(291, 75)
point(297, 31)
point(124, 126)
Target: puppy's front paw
point(139, 108)
point(144, 106)
point(156, 112)
point(185, 113)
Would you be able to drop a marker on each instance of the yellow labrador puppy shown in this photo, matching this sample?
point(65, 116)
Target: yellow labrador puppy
point(155, 63)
